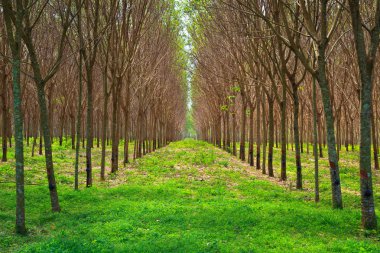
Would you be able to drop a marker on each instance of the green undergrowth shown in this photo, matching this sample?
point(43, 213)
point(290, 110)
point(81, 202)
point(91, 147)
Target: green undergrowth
point(349, 173)
point(186, 197)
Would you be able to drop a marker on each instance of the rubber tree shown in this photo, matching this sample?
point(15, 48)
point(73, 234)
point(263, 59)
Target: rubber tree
point(315, 143)
point(4, 99)
point(80, 95)
point(366, 55)
point(320, 32)
point(40, 80)
point(13, 16)
point(89, 41)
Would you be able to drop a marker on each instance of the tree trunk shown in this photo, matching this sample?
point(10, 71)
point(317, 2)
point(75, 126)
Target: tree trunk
point(44, 118)
point(79, 119)
point(367, 200)
point(264, 123)
point(346, 135)
point(242, 133)
point(104, 136)
point(338, 132)
point(228, 136)
point(302, 128)
point(41, 140)
point(48, 149)
point(4, 106)
point(19, 150)
point(83, 135)
point(35, 134)
point(89, 128)
point(315, 143)
point(352, 135)
point(250, 153)
point(50, 111)
point(234, 152)
point(15, 44)
point(34, 144)
point(271, 138)
point(283, 137)
point(333, 158)
point(319, 122)
point(114, 135)
point(258, 132)
point(366, 64)
point(307, 137)
point(98, 134)
point(219, 131)
point(224, 134)
point(297, 137)
point(72, 130)
point(61, 127)
point(126, 142)
point(374, 140)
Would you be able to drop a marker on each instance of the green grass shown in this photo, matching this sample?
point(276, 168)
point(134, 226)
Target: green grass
point(187, 197)
point(349, 173)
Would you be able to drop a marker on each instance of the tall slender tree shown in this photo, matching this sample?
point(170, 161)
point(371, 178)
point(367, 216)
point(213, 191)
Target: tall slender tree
point(13, 16)
point(366, 55)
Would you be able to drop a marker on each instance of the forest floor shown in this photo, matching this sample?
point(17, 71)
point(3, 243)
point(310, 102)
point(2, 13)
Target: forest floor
point(186, 197)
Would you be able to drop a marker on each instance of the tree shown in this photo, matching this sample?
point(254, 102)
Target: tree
point(89, 41)
point(13, 16)
point(366, 55)
point(40, 80)
point(4, 94)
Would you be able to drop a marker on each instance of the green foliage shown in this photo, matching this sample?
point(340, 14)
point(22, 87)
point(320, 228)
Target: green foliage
point(224, 108)
point(231, 98)
point(235, 89)
point(223, 163)
point(204, 158)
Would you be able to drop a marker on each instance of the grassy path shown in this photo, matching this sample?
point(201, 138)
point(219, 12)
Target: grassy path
point(187, 197)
